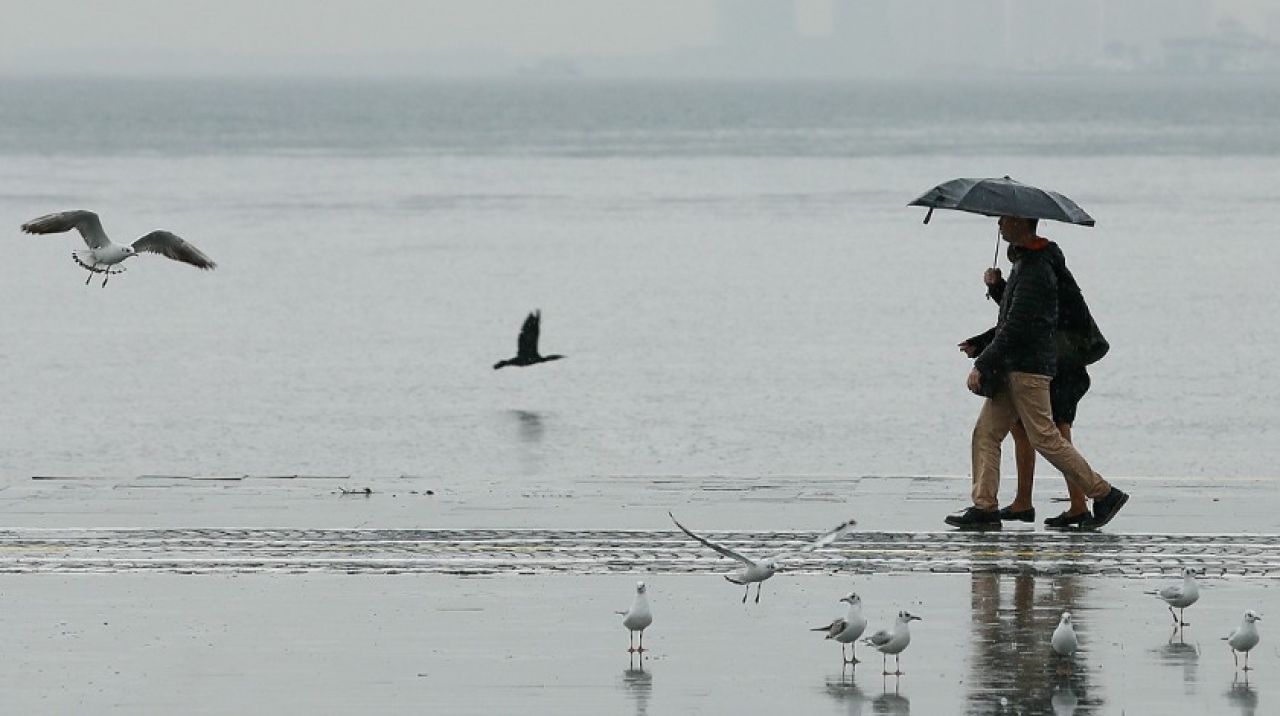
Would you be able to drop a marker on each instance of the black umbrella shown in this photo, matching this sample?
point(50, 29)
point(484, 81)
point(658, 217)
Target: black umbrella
point(1002, 197)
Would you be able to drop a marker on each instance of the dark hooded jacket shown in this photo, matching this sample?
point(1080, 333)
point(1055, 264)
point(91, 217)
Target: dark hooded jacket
point(1076, 337)
point(1024, 340)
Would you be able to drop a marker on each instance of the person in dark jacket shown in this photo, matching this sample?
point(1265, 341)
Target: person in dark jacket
point(1014, 371)
point(1070, 383)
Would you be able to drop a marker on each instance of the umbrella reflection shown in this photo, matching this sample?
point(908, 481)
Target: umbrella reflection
point(638, 684)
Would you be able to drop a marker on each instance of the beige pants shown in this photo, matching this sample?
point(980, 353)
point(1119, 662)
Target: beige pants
point(1025, 396)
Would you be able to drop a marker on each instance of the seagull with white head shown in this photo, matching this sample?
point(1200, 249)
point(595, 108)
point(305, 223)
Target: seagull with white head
point(1244, 637)
point(1180, 595)
point(103, 254)
point(755, 572)
point(893, 642)
point(848, 629)
point(638, 617)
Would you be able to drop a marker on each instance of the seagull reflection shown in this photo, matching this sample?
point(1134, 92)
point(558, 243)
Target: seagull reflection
point(1064, 701)
point(1179, 653)
point(844, 690)
point(638, 684)
point(1242, 696)
point(530, 424)
point(891, 703)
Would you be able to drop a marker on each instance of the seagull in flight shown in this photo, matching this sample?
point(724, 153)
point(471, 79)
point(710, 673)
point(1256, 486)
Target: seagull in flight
point(527, 345)
point(848, 629)
point(757, 572)
point(103, 254)
point(1180, 595)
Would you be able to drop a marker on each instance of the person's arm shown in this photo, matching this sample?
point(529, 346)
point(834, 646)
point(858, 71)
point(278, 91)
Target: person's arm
point(976, 344)
point(1036, 290)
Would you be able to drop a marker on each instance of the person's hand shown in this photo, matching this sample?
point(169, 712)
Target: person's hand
point(969, 349)
point(975, 381)
point(992, 276)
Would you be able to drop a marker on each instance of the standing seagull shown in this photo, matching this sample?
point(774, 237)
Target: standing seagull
point(637, 618)
point(527, 344)
point(1064, 641)
point(893, 642)
point(1180, 596)
point(102, 254)
point(847, 630)
point(757, 572)
point(1244, 637)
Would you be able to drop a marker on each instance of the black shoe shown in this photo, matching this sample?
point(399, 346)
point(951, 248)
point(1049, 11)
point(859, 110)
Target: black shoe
point(1064, 520)
point(974, 518)
point(1105, 508)
point(1008, 514)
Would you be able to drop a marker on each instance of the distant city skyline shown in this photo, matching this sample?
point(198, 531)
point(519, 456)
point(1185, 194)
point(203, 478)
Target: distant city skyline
point(681, 38)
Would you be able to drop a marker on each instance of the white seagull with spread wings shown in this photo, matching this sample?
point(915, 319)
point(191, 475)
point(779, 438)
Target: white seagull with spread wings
point(103, 254)
point(757, 572)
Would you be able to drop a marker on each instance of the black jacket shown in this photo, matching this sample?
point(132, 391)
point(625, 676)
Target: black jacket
point(1024, 340)
point(1079, 341)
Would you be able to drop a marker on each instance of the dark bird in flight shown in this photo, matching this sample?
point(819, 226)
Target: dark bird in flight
point(527, 344)
point(104, 255)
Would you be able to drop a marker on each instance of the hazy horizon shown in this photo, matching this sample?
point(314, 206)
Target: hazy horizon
point(628, 38)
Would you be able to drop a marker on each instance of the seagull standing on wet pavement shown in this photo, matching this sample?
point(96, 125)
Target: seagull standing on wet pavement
point(527, 345)
point(1064, 641)
point(1180, 595)
point(1244, 638)
point(1064, 637)
point(848, 629)
point(638, 617)
point(893, 642)
point(757, 572)
point(103, 254)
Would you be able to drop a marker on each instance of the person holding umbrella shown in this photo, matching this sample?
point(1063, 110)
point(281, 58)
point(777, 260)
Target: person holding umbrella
point(1079, 343)
point(1015, 369)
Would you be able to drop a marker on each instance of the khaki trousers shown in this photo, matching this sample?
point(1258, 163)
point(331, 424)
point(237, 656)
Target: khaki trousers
point(1025, 397)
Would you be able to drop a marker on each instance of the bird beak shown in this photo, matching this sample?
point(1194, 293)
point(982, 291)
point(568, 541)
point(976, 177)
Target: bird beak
point(915, 618)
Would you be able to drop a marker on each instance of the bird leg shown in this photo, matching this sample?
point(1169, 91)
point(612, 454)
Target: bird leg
point(1235, 659)
point(884, 664)
point(105, 276)
point(897, 664)
point(746, 593)
point(631, 639)
point(87, 280)
point(853, 654)
point(1182, 614)
point(1246, 662)
point(641, 649)
point(843, 658)
point(758, 586)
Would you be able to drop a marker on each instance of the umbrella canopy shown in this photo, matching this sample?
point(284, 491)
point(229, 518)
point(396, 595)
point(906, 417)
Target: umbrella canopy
point(1002, 197)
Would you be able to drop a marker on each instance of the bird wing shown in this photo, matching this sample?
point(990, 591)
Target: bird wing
point(879, 638)
point(1168, 593)
point(172, 246)
point(825, 540)
point(722, 550)
point(527, 344)
point(86, 222)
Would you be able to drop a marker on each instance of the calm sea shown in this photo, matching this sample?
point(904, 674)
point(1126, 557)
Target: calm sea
point(731, 269)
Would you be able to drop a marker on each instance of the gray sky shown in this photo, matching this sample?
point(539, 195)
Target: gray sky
point(377, 36)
